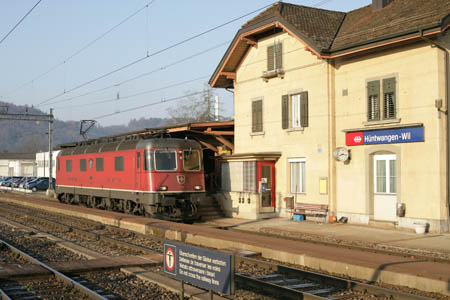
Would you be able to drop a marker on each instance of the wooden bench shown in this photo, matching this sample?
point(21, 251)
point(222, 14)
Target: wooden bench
point(307, 209)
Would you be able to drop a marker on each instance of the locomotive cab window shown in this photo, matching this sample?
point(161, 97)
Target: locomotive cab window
point(83, 165)
point(57, 164)
point(191, 160)
point(165, 160)
point(118, 163)
point(138, 160)
point(148, 160)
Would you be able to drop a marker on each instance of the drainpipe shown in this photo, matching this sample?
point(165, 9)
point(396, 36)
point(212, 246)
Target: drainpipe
point(446, 62)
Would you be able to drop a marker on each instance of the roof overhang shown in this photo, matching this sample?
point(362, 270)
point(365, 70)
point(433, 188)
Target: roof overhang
point(246, 38)
point(259, 156)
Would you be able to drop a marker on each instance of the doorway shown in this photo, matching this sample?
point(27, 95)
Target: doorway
point(385, 187)
point(266, 185)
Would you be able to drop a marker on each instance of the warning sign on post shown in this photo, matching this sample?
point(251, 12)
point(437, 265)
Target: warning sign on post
point(203, 267)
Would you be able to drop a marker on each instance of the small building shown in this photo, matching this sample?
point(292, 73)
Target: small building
point(347, 110)
point(17, 164)
point(42, 160)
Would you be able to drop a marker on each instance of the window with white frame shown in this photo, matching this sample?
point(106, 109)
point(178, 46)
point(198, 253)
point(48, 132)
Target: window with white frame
point(294, 110)
point(297, 169)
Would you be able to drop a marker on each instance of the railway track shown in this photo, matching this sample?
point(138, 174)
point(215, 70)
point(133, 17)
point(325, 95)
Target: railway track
point(278, 281)
point(290, 283)
point(17, 290)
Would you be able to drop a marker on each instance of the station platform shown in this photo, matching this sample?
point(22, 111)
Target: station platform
point(276, 240)
point(338, 232)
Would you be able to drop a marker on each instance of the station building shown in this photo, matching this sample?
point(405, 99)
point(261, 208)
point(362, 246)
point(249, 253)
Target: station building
point(17, 164)
point(343, 109)
point(42, 161)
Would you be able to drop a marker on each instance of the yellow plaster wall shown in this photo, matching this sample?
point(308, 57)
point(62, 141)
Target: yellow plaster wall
point(417, 71)
point(303, 72)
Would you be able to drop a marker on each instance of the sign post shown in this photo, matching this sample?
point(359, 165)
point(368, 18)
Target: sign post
point(212, 270)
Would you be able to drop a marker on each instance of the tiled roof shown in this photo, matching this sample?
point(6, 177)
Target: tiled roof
point(400, 16)
point(330, 30)
point(318, 25)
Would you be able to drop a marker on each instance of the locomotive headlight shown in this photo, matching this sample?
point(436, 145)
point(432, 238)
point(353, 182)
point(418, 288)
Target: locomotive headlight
point(197, 187)
point(163, 188)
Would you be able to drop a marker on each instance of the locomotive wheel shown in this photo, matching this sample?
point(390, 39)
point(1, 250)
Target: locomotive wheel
point(129, 206)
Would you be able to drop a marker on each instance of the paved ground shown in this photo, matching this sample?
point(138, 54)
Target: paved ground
point(429, 242)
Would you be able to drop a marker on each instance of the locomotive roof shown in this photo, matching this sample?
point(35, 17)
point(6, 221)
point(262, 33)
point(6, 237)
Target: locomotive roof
point(130, 145)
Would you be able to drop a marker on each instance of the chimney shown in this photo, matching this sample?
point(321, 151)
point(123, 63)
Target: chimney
point(379, 4)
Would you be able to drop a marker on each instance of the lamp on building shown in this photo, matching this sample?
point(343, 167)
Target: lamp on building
point(438, 105)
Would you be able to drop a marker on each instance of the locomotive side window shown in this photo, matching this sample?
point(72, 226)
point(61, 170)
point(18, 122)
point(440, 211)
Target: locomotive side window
point(191, 160)
point(138, 160)
point(83, 165)
point(99, 164)
point(91, 163)
point(165, 160)
point(148, 161)
point(69, 165)
point(57, 164)
point(118, 163)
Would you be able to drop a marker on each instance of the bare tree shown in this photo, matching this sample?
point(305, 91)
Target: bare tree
point(194, 108)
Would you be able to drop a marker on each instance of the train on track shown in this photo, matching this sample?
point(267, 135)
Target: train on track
point(156, 177)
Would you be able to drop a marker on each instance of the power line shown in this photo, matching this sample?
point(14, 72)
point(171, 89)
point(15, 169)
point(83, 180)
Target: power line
point(20, 21)
point(136, 94)
point(82, 48)
point(151, 55)
point(162, 68)
point(147, 105)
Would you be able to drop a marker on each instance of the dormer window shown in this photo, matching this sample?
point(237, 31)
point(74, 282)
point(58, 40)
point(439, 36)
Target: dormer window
point(274, 62)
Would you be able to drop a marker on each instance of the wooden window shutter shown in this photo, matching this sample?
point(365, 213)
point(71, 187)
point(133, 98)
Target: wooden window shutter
point(257, 116)
point(389, 105)
point(373, 100)
point(254, 116)
point(285, 111)
point(270, 58)
point(304, 109)
point(278, 56)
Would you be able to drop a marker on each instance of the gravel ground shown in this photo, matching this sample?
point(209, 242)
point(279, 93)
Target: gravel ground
point(39, 247)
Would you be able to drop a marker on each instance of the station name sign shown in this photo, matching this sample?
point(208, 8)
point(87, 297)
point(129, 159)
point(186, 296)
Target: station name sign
point(385, 136)
point(202, 267)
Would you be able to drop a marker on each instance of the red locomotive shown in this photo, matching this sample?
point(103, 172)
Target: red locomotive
point(157, 177)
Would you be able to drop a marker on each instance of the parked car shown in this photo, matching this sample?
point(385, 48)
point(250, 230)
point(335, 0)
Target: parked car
point(39, 185)
point(22, 182)
point(10, 182)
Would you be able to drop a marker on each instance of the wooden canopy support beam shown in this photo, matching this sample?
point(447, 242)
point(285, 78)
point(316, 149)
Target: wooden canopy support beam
point(209, 146)
point(225, 142)
point(229, 75)
point(251, 42)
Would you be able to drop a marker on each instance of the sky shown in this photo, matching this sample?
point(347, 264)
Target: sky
point(117, 60)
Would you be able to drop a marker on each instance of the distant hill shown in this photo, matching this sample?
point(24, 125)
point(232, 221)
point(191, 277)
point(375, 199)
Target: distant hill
point(26, 136)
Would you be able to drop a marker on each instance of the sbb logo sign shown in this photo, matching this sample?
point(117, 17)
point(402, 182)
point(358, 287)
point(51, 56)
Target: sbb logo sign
point(354, 138)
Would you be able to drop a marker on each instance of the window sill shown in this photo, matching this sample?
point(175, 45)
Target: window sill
point(272, 74)
point(298, 194)
point(295, 129)
point(257, 133)
point(381, 122)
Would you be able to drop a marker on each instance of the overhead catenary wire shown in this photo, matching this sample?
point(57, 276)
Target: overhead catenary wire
point(85, 47)
point(162, 68)
point(134, 95)
point(151, 55)
point(19, 22)
point(148, 105)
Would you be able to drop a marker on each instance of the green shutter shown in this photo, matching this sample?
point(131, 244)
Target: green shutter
point(278, 56)
point(270, 58)
point(373, 100)
point(257, 116)
point(304, 109)
point(389, 105)
point(285, 111)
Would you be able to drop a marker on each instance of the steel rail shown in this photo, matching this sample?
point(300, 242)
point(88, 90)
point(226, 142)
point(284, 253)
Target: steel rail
point(283, 274)
point(4, 296)
point(82, 289)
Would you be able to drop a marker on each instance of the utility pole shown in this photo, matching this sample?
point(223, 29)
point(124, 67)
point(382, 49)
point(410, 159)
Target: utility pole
point(4, 115)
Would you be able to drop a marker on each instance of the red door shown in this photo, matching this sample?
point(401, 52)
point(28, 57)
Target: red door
point(266, 183)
